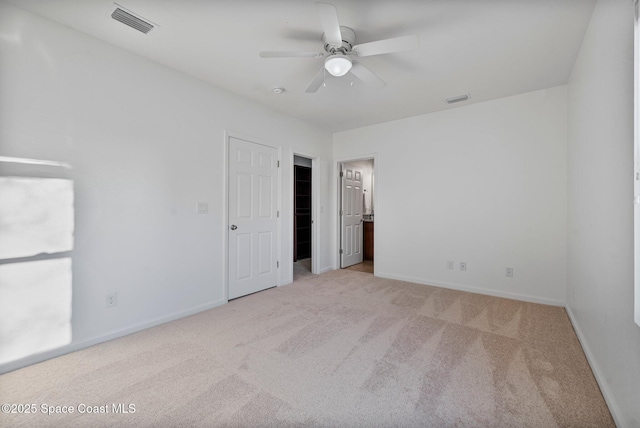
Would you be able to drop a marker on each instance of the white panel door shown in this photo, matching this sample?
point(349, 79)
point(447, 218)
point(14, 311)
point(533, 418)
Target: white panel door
point(253, 177)
point(351, 218)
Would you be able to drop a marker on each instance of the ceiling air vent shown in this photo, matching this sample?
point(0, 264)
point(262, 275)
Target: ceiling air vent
point(457, 99)
point(131, 20)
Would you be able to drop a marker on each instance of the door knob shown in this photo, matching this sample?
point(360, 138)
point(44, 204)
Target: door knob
point(234, 227)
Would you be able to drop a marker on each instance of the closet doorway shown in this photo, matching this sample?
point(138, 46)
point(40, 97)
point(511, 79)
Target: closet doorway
point(302, 216)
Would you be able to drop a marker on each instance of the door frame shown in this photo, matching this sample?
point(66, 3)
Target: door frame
point(338, 163)
point(315, 204)
point(225, 211)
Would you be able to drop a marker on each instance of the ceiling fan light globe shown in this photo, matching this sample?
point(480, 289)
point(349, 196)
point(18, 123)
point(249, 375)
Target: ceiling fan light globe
point(337, 65)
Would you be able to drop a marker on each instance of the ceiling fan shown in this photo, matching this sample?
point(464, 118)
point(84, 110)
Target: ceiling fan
point(340, 51)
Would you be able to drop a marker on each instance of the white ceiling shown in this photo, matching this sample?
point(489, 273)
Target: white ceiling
point(487, 48)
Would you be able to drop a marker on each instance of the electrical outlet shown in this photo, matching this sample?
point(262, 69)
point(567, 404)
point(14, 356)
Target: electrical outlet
point(111, 300)
point(463, 265)
point(202, 208)
point(509, 272)
point(450, 264)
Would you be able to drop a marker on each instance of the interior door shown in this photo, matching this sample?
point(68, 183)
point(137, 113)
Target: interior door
point(351, 216)
point(253, 176)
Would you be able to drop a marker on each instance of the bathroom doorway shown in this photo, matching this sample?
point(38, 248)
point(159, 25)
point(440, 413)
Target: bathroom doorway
point(356, 215)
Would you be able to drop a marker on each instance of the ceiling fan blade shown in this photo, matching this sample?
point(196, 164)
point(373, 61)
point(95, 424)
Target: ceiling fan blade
point(397, 44)
point(270, 54)
point(364, 74)
point(329, 21)
point(316, 82)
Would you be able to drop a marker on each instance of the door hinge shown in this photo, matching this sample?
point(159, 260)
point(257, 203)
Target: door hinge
point(341, 174)
point(277, 264)
point(341, 213)
point(278, 214)
point(341, 251)
point(278, 164)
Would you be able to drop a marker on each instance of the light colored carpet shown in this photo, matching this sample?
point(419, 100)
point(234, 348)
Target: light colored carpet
point(341, 349)
point(301, 268)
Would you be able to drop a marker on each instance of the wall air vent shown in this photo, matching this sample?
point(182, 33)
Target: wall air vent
point(457, 99)
point(131, 20)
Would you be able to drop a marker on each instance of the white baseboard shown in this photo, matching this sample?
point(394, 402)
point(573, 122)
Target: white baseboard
point(474, 289)
point(597, 372)
point(76, 346)
point(326, 269)
point(286, 282)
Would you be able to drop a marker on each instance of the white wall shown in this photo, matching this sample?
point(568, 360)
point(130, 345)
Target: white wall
point(483, 184)
point(600, 266)
point(146, 144)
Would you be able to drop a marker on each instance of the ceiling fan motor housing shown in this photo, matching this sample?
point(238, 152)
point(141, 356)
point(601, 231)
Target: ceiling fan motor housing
point(348, 41)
